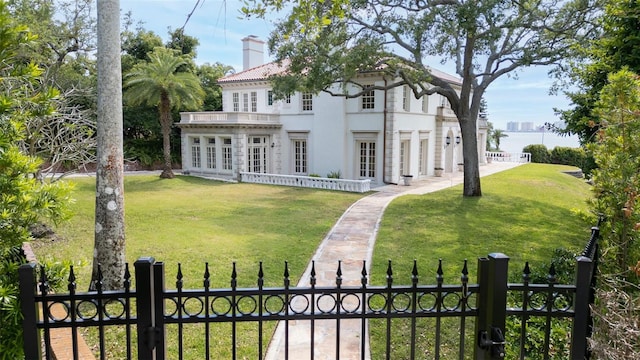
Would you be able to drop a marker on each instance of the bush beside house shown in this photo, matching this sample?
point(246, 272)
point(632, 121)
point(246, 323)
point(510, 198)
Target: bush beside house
point(561, 155)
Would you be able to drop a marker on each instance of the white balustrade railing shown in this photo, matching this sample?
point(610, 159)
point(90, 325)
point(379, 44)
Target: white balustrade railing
point(500, 156)
point(220, 117)
point(359, 186)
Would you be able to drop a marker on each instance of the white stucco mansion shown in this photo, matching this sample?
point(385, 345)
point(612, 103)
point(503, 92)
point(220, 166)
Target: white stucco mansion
point(381, 135)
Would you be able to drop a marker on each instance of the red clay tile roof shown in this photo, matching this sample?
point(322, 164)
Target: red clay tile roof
point(257, 73)
point(262, 72)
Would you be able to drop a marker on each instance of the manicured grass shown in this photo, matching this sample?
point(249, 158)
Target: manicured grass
point(524, 213)
point(191, 221)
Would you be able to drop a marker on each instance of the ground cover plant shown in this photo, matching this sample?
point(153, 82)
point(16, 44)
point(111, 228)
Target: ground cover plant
point(525, 213)
point(194, 221)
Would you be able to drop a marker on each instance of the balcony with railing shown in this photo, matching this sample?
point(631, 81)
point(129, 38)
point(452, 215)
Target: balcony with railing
point(227, 118)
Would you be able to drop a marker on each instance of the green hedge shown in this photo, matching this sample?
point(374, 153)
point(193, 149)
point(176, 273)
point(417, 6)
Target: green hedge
point(561, 155)
point(539, 153)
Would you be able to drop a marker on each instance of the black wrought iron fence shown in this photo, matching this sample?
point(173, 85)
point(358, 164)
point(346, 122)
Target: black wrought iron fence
point(146, 312)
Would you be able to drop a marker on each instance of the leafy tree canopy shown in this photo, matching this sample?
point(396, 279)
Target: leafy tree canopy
point(182, 42)
point(329, 42)
point(616, 180)
point(23, 199)
point(618, 46)
point(136, 46)
point(209, 75)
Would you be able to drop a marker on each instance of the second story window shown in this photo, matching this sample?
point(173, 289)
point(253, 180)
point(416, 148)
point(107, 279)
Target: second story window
point(254, 101)
point(269, 97)
point(405, 98)
point(368, 98)
point(236, 101)
point(307, 101)
point(245, 102)
point(425, 103)
point(287, 99)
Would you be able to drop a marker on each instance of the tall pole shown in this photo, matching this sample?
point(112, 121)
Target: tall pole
point(109, 248)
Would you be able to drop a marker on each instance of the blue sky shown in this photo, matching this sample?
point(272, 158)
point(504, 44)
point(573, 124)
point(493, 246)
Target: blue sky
point(219, 28)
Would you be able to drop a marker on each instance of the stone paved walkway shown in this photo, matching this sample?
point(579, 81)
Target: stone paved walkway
point(351, 241)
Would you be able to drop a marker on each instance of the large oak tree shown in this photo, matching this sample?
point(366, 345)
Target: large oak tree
point(330, 41)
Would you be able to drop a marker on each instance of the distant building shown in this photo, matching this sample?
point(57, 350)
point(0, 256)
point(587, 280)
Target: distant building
point(526, 126)
point(513, 126)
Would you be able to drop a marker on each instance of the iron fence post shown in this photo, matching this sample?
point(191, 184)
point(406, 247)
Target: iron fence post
point(581, 324)
point(492, 306)
point(158, 296)
point(145, 312)
point(31, 335)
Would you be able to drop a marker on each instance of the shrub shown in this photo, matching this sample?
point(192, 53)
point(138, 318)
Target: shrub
point(568, 156)
point(57, 273)
point(577, 157)
point(24, 200)
point(334, 175)
point(539, 153)
point(588, 165)
point(615, 323)
point(564, 264)
point(149, 151)
point(146, 151)
point(616, 185)
point(10, 315)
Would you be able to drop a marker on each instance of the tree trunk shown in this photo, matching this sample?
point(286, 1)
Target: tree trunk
point(471, 160)
point(165, 124)
point(109, 248)
point(468, 119)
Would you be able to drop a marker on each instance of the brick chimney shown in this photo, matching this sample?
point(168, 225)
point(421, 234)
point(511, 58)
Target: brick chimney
point(252, 52)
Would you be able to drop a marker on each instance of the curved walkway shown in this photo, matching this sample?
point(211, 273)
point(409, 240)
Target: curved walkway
point(351, 240)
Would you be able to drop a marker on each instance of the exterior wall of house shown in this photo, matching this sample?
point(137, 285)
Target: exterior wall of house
point(381, 135)
point(338, 134)
point(395, 134)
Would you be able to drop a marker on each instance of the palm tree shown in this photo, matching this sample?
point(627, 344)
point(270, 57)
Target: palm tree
point(497, 135)
point(158, 83)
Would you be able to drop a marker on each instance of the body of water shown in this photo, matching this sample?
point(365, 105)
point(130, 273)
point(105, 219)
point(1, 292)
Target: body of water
point(515, 141)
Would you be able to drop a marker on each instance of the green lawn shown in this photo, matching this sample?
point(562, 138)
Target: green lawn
point(193, 221)
point(525, 213)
